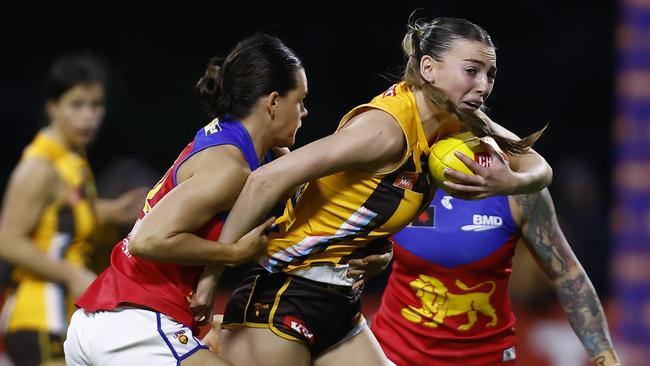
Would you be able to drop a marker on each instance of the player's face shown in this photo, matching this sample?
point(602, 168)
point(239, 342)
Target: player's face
point(78, 113)
point(291, 110)
point(466, 73)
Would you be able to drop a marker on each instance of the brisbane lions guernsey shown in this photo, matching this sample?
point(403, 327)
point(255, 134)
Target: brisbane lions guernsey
point(165, 287)
point(335, 217)
point(446, 302)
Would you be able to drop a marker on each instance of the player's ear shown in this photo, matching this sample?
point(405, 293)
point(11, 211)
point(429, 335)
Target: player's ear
point(428, 68)
point(271, 102)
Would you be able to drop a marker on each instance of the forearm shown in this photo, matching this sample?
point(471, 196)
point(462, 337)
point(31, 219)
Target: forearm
point(182, 248)
point(22, 252)
point(584, 311)
point(533, 172)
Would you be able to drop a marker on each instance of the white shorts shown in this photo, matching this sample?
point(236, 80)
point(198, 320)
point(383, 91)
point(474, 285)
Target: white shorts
point(127, 336)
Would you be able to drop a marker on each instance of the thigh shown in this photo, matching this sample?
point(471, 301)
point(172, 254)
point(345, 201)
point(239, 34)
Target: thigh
point(205, 357)
point(260, 346)
point(315, 314)
point(130, 336)
point(362, 349)
point(31, 348)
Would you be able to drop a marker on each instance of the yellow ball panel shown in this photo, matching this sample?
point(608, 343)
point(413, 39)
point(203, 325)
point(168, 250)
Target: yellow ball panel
point(442, 155)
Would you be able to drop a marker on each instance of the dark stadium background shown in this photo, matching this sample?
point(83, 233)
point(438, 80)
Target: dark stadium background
point(555, 63)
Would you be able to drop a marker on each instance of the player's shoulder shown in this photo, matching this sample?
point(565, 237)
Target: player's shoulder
point(34, 169)
point(217, 160)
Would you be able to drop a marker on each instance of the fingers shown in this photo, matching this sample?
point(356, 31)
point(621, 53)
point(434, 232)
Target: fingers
point(376, 258)
point(267, 225)
point(357, 263)
point(471, 164)
point(358, 284)
point(217, 318)
point(204, 317)
point(463, 178)
point(207, 317)
point(459, 188)
point(202, 312)
point(355, 273)
point(269, 222)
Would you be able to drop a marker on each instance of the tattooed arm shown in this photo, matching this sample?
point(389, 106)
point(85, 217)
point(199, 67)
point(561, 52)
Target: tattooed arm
point(546, 242)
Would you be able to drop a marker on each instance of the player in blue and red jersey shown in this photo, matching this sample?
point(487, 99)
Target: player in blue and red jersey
point(446, 302)
point(137, 311)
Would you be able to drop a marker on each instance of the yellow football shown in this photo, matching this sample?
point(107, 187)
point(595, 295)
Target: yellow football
point(442, 156)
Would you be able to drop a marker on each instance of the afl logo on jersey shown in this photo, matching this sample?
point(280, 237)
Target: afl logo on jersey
point(390, 92)
point(406, 180)
point(212, 127)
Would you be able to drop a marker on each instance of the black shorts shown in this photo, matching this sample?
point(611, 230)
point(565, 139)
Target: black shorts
point(295, 308)
point(31, 348)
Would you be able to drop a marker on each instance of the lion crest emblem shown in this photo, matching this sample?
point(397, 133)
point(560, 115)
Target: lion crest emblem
point(438, 303)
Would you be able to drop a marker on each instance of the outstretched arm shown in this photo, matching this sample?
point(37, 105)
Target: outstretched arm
point(369, 142)
point(546, 242)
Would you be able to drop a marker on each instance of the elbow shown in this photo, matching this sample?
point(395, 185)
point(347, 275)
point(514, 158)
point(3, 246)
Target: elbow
point(548, 178)
point(261, 180)
point(10, 244)
point(145, 245)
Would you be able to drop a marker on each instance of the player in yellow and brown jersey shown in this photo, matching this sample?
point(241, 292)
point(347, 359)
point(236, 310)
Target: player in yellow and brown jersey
point(49, 213)
point(364, 182)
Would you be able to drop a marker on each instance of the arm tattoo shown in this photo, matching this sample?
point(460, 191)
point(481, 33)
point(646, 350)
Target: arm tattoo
point(574, 290)
point(539, 233)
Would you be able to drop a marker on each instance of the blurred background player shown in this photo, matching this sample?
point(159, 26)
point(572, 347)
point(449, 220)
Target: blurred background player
point(51, 210)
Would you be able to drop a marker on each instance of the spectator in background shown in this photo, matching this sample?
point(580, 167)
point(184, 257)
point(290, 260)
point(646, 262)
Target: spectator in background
point(50, 211)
